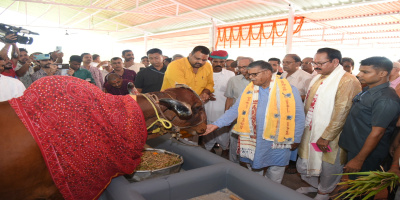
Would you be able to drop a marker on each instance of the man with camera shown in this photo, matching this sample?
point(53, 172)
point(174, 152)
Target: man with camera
point(10, 64)
point(47, 68)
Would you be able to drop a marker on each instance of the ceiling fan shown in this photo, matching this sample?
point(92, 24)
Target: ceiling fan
point(66, 33)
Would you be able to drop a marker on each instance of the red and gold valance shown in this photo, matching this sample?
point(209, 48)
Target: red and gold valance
point(257, 29)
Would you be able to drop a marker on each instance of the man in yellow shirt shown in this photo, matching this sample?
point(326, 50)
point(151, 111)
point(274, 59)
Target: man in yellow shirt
point(193, 71)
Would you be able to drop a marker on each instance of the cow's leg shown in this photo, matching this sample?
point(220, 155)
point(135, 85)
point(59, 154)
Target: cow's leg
point(23, 172)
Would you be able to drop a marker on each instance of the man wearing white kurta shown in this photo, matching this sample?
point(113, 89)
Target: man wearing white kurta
point(326, 105)
point(214, 109)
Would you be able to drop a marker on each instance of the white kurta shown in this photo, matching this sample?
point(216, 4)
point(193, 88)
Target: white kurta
point(10, 88)
point(215, 109)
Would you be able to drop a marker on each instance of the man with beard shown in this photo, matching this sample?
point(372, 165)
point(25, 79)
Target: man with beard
point(75, 69)
point(214, 109)
point(151, 78)
point(270, 122)
point(47, 68)
point(129, 63)
point(193, 71)
point(96, 74)
point(24, 68)
point(233, 91)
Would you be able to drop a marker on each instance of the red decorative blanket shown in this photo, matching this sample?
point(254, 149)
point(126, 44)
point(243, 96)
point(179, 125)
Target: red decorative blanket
point(86, 137)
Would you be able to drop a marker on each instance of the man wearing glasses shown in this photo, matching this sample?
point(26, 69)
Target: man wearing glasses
point(327, 103)
point(270, 122)
point(233, 91)
point(372, 119)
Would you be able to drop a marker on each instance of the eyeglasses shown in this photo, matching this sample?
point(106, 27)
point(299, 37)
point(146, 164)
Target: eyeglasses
point(242, 67)
point(287, 62)
point(319, 64)
point(357, 98)
point(256, 74)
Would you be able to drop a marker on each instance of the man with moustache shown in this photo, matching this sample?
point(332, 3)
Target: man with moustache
point(151, 78)
point(24, 68)
point(76, 70)
point(193, 71)
point(270, 122)
point(327, 103)
point(233, 91)
point(47, 68)
point(118, 86)
point(129, 63)
point(96, 74)
point(214, 109)
point(307, 66)
point(118, 68)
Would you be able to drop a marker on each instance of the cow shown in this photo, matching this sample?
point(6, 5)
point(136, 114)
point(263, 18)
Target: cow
point(28, 170)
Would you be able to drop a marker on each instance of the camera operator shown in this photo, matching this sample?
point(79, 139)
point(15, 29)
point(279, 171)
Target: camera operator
point(10, 63)
point(24, 68)
point(47, 68)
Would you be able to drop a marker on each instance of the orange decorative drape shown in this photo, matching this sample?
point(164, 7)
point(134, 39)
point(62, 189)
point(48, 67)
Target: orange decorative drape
point(261, 26)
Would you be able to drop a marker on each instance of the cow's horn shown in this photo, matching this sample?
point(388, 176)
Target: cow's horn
point(181, 108)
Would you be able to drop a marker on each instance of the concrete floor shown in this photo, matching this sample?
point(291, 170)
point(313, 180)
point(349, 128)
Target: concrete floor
point(292, 181)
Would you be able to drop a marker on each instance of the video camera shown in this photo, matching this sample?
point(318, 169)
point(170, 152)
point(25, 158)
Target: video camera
point(7, 29)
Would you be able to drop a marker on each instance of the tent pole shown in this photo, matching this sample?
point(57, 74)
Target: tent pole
point(289, 34)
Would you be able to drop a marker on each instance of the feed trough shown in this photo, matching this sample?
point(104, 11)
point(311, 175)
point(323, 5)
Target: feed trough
point(143, 174)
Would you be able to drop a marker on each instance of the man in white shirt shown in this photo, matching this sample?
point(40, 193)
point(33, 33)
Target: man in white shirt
point(307, 66)
point(129, 61)
point(215, 109)
point(296, 76)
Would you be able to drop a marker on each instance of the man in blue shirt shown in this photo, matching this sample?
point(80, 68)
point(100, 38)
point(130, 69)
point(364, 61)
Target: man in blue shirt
point(372, 118)
point(269, 153)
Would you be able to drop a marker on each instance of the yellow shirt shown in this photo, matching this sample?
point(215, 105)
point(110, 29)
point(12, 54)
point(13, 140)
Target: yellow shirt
point(180, 71)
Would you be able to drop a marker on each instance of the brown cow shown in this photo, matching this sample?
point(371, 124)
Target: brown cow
point(23, 171)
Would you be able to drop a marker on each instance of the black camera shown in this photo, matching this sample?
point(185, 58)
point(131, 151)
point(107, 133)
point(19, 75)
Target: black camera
point(7, 30)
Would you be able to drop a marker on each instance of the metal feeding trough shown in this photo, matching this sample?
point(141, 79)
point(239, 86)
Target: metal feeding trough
point(141, 175)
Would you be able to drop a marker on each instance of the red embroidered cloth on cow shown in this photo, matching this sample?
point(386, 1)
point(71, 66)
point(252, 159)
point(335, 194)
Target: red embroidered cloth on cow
point(86, 137)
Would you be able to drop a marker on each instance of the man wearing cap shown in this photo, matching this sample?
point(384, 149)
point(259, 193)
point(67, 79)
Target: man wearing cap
point(193, 71)
point(214, 109)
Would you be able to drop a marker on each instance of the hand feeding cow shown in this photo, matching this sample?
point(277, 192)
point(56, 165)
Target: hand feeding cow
point(65, 139)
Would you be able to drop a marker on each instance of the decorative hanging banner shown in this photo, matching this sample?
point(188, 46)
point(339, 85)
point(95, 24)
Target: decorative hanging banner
point(257, 28)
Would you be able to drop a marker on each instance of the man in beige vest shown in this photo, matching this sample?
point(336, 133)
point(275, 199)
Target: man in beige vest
point(327, 103)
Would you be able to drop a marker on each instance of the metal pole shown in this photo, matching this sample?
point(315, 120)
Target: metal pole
point(289, 35)
point(145, 42)
point(212, 35)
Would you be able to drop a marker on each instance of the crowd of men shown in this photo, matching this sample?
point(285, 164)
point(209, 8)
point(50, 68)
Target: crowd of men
point(310, 116)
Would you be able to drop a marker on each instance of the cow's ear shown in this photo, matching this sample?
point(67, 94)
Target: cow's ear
point(180, 108)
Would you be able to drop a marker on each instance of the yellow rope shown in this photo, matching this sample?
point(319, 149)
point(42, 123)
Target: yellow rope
point(167, 124)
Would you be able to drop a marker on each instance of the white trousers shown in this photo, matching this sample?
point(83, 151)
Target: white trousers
point(220, 136)
point(275, 173)
point(327, 181)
